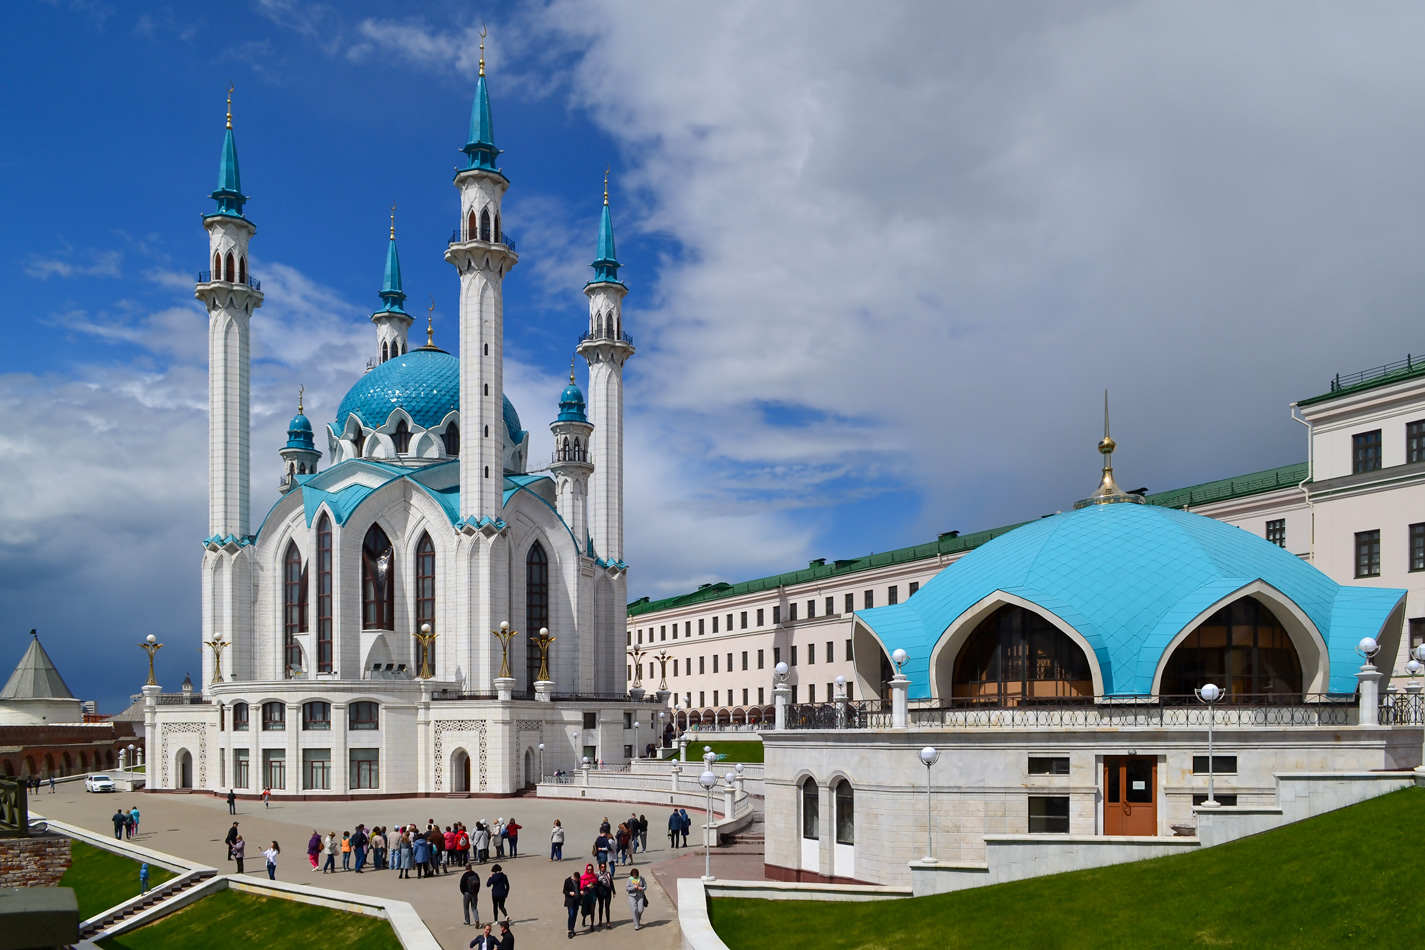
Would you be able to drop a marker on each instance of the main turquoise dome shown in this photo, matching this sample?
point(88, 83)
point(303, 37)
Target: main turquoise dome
point(425, 382)
point(1129, 578)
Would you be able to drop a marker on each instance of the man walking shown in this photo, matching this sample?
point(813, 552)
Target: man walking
point(358, 844)
point(232, 836)
point(120, 820)
point(470, 895)
point(571, 899)
point(232, 802)
point(675, 827)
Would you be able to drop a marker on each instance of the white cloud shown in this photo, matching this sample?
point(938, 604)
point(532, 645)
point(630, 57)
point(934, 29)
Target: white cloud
point(71, 264)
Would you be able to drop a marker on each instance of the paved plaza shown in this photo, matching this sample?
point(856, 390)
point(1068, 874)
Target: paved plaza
point(193, 827)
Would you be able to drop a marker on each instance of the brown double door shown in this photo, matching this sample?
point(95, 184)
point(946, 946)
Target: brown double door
point(1130, 795)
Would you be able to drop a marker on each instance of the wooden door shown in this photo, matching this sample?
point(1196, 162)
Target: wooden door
point(1130, 795)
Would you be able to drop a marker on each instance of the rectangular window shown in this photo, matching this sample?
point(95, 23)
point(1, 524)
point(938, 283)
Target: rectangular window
point(274, 768)
point(240, 714)
point(700, 626)
point(759, 659)
point(240, 768)
point(1229, 801)
point(316, 769)
point(811, 810)
point(794, 655)
point(274, 717)
point(702, 698)
point(664, 636)
point(702, 665)
point(729, 662)
point(870, 600)
point(1276, 532)
point(893, 595)
point(1048, 765)
point(914, 586)
point(591, 720)
point(675, 667)
point(324, 594)
point(744, 621)
point(365, 768)
point(811, 610)
point(776, 655)
point(714, 697)
point(830, 606)
point(363, 716)
point(744, 659)
point(628, 638)
point(688, 629)
point(1417, 633)
point(811, 654)
point(1368, 553)
point(714, 625)
point(792, 612)
point(811, 692)
point(729, 622)
point(640, 636)
point(776, 615)
point(1365, 451)
point(1415, 441)
point(1048, 814)
point(830, 657)
point(714, 662)
point(316, 717)
point(849, 654)
point(850, 603)
point(761, 696)
point(1417, 547)
point(794, 694)
point(1221, 765)
point(628, 672)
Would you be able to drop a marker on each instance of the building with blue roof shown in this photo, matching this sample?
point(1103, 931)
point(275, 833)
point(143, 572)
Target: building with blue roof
point(417, 585)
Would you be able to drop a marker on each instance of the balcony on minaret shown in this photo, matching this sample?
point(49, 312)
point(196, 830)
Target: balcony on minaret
point(206, 277)
point(457, 237)
point(606, 333)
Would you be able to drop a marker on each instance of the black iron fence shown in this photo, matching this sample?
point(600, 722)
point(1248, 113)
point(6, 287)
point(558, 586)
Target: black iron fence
point(1402, 709)
point(457, 238)
point(206, 277)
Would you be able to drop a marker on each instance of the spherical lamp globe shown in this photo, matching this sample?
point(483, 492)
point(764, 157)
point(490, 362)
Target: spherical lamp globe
point(929, 755)
point(707, 779)
point(1210, 692)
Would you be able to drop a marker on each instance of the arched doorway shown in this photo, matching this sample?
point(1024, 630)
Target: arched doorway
point(49, 765)
point(1016, 656)
point(531, 776)
point(183, 768)
point(30, 766)
point(460, 771)
point(1243, 648)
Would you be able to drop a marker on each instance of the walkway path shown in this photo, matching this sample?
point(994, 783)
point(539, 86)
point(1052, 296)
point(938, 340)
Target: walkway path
point(193, 827)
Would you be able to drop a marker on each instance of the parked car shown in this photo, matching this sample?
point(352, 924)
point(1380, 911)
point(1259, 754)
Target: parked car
point(99, 783)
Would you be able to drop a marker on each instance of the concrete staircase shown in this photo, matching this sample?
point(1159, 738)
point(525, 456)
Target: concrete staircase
point(163, 892)
point(754, 836)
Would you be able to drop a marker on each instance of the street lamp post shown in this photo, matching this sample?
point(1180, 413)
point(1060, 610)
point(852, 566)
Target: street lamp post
point(929, 755)
point(151, 646)
point(707, 780)
point(1210, 693)
point(541, 761)
point(662, 716)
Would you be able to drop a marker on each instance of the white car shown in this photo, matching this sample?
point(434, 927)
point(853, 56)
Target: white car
point(99, 783)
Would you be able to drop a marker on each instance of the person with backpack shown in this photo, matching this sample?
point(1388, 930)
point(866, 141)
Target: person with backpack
point(420, 855)
point(571, 899)
point(499, 886)
point(143, 878)
point(622, 839)
point(314, 848)
point(470, 895)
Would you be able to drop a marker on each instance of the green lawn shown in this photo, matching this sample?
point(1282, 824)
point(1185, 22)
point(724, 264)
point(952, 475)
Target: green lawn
point(102, 879)
point(736, 751)
point(229, 920)
point(1351, 878)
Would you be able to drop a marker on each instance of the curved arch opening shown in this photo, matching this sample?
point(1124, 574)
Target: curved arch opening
point(1243, 648)
point(183, 769)
point(485, 225)
point(1016, 656)
point(378, 581)
point(425, 601)
point(401, 438)
point(460, 771)
point(536, 607)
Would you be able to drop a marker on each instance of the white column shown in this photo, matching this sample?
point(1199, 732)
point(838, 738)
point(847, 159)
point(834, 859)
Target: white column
point(782, 696)
point(150, 728)
point(341, 756)
point(900, 686)
point(1369, 678)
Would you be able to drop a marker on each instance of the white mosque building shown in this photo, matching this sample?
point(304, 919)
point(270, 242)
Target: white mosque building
point(350, 634)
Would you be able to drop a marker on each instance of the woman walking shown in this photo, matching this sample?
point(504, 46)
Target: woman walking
point(239, 850)
point(604, 896)
point(588, 895)
point(637, 898)
point(271, 855)
point(499, 886)
point(330, 847)
point(556, 842)
point(314, 848)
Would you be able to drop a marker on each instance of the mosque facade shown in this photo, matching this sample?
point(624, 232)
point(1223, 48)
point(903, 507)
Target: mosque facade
point(425, 608)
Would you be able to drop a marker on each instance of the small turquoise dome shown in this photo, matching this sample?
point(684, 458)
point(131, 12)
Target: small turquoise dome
point(299, 433)
point(1129, 579)
point(425, 382)
point(571, 405)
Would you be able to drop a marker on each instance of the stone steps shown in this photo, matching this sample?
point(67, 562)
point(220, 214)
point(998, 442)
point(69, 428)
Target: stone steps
point(157, 895)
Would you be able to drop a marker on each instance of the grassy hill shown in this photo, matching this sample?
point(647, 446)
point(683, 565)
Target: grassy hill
point(1351, 878)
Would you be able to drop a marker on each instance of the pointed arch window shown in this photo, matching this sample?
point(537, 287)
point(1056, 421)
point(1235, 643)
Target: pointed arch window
point(1017, 656)
point(485, 225)
point(451, 438)
point(402, 437)
point(228, 269)
point(498, 232)
point(217, 266)
point(471, 229)
point(378, 581)
point(425, 598)
point(242, 268)
point(357, 438)
point(294, 602)
point(1244, 648)
point(536, 607)
point(384, 354)
point(324, 594)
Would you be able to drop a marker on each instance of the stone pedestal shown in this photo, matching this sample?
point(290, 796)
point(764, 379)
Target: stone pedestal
point(841, 711)
point(544, 691)
point(900, 687)
point(663, 695)
point(1369, 678)
point(782, 696)
point(505, 688)
point(727, 800)
point(636, 694)
point(150, 715)
point(674, 772)
point(682, 748)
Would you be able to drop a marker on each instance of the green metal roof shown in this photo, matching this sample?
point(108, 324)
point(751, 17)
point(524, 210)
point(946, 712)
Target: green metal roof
point(1370, 379)
point(1287, 476)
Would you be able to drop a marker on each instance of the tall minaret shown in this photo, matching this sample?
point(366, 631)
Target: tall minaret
point(392, 321)
point(607, 348)
point(483, 256)
point(231, 296)
point(570, 463)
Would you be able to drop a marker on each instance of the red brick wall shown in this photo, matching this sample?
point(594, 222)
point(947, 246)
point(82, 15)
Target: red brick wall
point(33, 862)
point(34, 743)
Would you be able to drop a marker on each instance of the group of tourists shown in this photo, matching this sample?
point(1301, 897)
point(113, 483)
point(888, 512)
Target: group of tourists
point(126, 823)
point(434, 850)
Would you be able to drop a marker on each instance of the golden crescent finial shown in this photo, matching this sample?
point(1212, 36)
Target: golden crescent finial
point(393, 220)
point(606, 183)
point(230, 103)
point(483, 33)
point(430, 317)
point(571, 368)
point(300, 391)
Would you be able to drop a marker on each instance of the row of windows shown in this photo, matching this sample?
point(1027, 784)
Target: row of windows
point(684, 667)
point(731, 696)
point(401, 438)
point(223, 268)
point(1366, 447)
point(316, 716)
point(1368, 550)
point(744, 618)
point(482, 227)
point(363, 772)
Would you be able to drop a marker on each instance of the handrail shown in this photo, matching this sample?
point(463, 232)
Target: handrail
point(502, 238)
point(206, 277)
point(586, 336)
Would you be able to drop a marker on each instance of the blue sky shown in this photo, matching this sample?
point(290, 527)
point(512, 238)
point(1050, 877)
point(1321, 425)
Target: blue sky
point(882, 268)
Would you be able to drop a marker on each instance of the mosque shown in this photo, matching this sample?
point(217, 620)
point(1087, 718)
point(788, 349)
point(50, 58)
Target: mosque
point(432, 611)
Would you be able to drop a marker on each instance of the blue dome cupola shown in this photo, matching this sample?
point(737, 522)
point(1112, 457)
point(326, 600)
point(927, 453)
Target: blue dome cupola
point(571, 402)
point(606, 265)
point(229, 195)
point(480, 150)
point(300, 454)
point(392, 321)
point(572, 463)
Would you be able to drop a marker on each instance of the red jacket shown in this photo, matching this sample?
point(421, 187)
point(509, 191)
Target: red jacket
point(514, 829)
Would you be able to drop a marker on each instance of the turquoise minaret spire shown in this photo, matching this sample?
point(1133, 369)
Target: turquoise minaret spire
point(391, 291)
point(229, 195)
point(481, 150)
point(391, 320)
point(606, 266)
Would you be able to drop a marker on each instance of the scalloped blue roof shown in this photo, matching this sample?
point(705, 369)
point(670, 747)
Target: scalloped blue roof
point(299, 433)
point(1129, 578)
point(425, 382)
point(571, 405)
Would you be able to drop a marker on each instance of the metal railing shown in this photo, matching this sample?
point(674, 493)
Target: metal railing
point(205, 277)
point(1313, 709)
point(570, 455)
point(457, 238)
point(1402, 709)
point(1398, 368)
point(606, 335)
